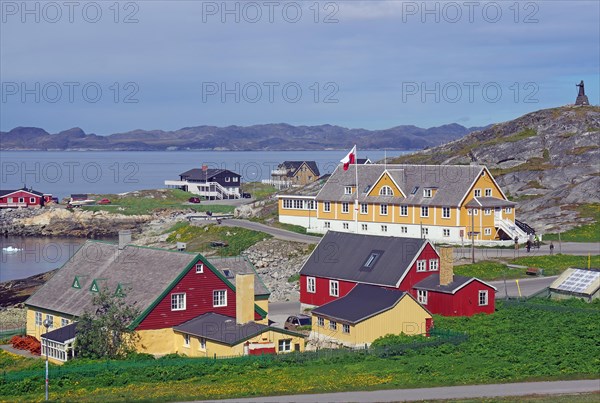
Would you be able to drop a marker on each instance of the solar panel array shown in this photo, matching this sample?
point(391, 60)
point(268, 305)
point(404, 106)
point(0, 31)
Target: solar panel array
point(578, 281)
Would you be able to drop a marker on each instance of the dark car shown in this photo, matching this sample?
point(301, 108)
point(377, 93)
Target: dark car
point(295, 321)
point(246, 195)
point(194, 200)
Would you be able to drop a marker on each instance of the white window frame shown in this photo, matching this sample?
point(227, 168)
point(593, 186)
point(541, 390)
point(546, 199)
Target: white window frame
point(364, 227)
point(334, 288)
point(32, 200)
point(284, 345)
point(347, 190)
point(487, 231)
point(434, 265)
point(424, 211)
point(186, 340)
point(477, 193)
point(446, 212)
point(345, 328)
point(320, 321)
point(386, 191)
point(38, 319)
point(327, 224)
point(484, 294)
point(422, 296)
point(332, 325)
point(50, 319)
point(488, 192)
point(508, 210)
point(202, 343)
point(364, 208)
point(421, 265)
point(311, 285)
point(404, 211)
point(199, 268)
point(217, 300)
point(424, 231)
point(177, 302)
point(64, 322)
point(427, 193)
point(404, 230)
point(487, 211)
point(227, 179)
point(345, 207)
point(235, 178)
point(446, 232)
point(326, 207)
point(384, 228)
point(345, 225)
point(21, 200)
point(383, 209)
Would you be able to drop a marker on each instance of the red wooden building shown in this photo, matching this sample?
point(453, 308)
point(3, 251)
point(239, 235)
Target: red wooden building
point(342, 260)
point(23, 198)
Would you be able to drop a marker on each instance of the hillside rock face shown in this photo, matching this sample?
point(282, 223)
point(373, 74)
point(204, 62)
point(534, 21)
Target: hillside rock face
point(548, 161)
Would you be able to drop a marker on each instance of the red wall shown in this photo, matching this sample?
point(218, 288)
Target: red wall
point(413, 277)
point(25, 195)
point(321, 296)
point(464, 303)
point(199, 300)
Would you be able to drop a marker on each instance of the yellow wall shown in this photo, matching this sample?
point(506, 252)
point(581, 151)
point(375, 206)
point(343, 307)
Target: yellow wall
point(385, 180)
point(157, 341)
point(406, 317)
point(38, 330)
point(263, 304)
point(304, 176)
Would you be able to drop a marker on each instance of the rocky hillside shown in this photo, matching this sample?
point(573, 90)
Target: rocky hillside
point(547, 161)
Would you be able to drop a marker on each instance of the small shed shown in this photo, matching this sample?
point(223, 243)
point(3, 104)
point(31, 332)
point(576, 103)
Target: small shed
point(577, 283)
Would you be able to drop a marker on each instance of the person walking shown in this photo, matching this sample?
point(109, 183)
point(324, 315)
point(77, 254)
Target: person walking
point(551, 248)
point(528, 245)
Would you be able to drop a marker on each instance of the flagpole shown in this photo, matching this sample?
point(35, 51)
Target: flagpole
point(356, 182)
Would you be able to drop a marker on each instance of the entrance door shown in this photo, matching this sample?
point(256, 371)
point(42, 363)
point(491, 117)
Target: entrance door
point(498, 213)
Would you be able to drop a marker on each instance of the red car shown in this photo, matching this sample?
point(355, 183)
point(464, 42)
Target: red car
point(104, 201)
point(194, 200)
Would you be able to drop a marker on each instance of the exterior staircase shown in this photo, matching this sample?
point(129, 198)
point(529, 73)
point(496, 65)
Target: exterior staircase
point(511, 229)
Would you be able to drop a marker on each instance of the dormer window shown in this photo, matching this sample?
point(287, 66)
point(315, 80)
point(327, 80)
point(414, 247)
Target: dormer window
point(386, 191)
point(414, 191)
point(427, 193)
point(347, 190)
point(227, 179)
point(372, 260)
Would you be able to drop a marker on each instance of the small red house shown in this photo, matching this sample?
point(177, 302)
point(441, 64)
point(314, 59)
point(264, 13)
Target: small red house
point(23, 198)
point(343, 260)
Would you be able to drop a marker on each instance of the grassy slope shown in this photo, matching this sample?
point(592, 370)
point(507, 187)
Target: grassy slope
point(583, 233)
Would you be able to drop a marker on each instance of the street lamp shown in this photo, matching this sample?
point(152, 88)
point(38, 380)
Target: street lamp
point(46, 325)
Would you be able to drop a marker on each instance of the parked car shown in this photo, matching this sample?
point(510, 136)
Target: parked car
point(295, 321)
point(104, 201)
point(194, 200)
point(246, 195)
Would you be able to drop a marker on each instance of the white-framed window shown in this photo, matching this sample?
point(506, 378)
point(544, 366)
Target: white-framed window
point(386, 191)
point(332, 325)
point(334, 288)
point(219, 298)
point(434, 264)
point(50, 319)
point(477, 193)
point(488, 192)
point(312, 205)
point(384, 228)
point(445, 212)
point(422, 296)
point(487, 231)
point(446, 232)
point(421, 265)
point(364, 208)
point(345, 208)
point(38, 319)
point(64, 322)
point(202, 343)
point(472, 211)
point(9, 200)
point(320, 321)
point(424, 211)
point(284, 345)
point(345, 225)
point(427, 193)
point(227, 179)
point(347, 190)
point(363, 227)
point(199, 268)
point(298, 204)
point(32, 200)
point(186, 340)
point(404, 211)
point(383, 209)
point(508, 210)
point(311, 285)
point(345, 328)
point(424, 231)
point(487, 211)
point(475, 211)
point(327, 207)
point(21, 200)
point(483, 297)
point(404, 230)
point(178, 301)
point(235, 178)
point(327, 224)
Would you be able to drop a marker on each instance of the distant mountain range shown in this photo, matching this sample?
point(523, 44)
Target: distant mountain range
point(276, 137)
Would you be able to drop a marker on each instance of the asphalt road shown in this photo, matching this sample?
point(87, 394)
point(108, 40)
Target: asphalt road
point(276, 232)
point(528, 286)
point(450, 392)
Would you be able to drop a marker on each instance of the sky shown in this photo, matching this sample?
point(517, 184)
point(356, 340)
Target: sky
point(110, 67)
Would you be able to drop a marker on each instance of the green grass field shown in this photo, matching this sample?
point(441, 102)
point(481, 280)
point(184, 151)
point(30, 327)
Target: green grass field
point(583, 233)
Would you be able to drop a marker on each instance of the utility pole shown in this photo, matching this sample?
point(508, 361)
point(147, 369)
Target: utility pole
point(46, 325)
point(473, 235)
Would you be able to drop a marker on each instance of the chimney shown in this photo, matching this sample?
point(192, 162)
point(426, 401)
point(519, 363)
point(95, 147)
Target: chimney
point(124, 238)
point(244, 298)
point(446, 266)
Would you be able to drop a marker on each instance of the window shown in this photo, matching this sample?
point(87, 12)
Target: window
point(477, 192)
point(364, 208)
point(427, 193)
point(199, 268)
point(421, 265)
point(332, 325)
point(383, 209)
point(476, 211)
point(327, 224)
point(446, 232)
point(488, 193)
point(298, 204)
point(64, 322)
point(219, 298)
point(287, 204)
point(345, 328)
point(483, 298)
point(347, 190)
point(202, 343)
point(345, 225)
point(445, 212)
point(487, 211)
point(320, 321)
point(21, 199)
point(404, 211)
point(344, 207)
point(334, 288)
point(311, 285)
point(285, 345)
point(178, 302)
point(508, 210)
point(186, 340)
point(327, 207)
point(363, 227)
point(422, 296)
point(424, 211)
point(386, 191)
point(227, 179)
point(434, 265)
point(235, 178)
point(384, 228)
point(311, 205)
point(404, 230)
point(50, 320)
point(32, 200)
point(487, 231)
point(424, 231)
point(38, 319)
point(414, 191)
point(371, 259)
point(10, 200)
point(472, 211)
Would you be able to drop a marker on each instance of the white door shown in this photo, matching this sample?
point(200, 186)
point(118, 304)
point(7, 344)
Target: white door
point(498, 213)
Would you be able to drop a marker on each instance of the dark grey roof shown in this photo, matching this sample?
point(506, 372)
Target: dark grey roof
point(62, 334)
point(239, 265)
point(224, 329)
point(6, 192)
point(432, 283)
point(341, 255)
point(362, 161)
point(200, 175)
point(293, 166)
point(452, 181)
point(143, 273)
point(363, 302)
point(489, 202)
